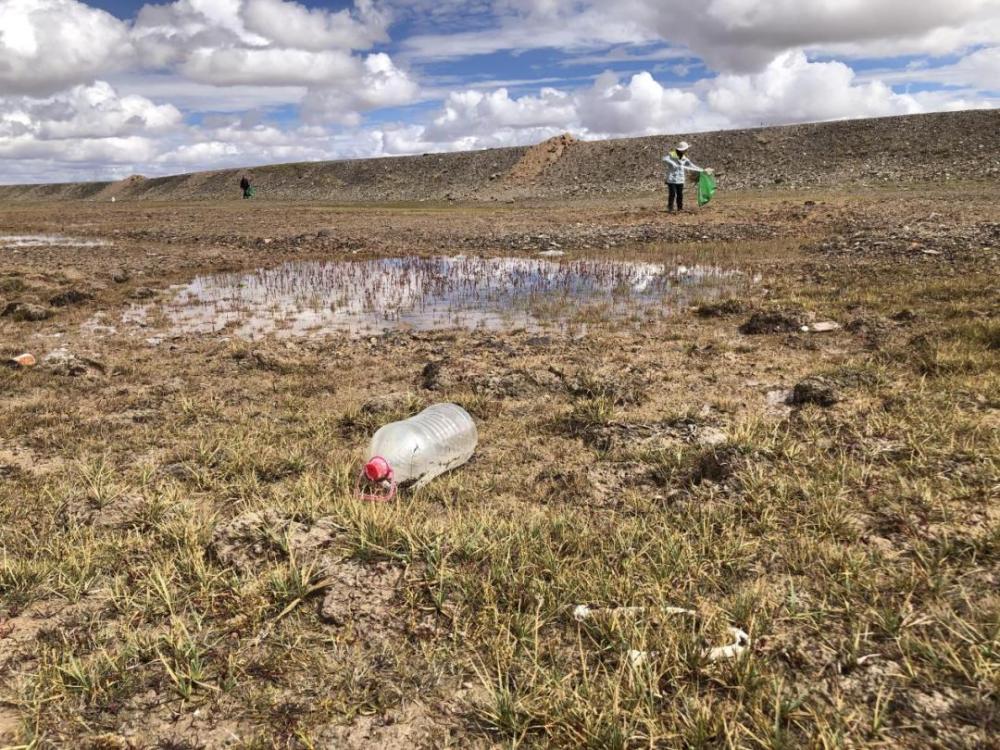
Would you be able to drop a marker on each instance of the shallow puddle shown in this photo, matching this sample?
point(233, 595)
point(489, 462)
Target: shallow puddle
point(47, 240)
point(363, 298)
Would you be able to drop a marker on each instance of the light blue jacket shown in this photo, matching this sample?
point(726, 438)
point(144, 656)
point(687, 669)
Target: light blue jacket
point(677, 165)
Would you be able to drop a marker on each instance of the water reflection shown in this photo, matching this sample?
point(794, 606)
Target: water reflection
point(367, 297)
point(47, 240)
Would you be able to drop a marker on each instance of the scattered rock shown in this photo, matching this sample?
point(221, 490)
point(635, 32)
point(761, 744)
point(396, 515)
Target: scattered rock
point(121, 276)
point(814, 390)
point(931, 239)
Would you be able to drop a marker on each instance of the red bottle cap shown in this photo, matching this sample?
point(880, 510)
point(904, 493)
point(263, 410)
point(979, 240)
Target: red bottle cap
point(378, 469)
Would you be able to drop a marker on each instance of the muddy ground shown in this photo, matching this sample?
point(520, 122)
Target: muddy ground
point(185, 563)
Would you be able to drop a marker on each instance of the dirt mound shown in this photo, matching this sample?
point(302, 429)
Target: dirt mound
point(538, 158)
point(127, 185)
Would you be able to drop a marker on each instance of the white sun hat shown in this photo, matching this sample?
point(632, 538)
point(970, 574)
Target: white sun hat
point(683, 146)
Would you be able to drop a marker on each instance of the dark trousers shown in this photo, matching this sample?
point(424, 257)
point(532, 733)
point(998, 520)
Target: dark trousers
point(675, 191)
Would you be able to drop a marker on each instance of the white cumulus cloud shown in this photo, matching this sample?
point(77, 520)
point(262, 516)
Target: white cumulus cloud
point(732, 35)
point(792, 89)
point(290, 24)
point(94, 111)
point(747, 34)
point(641, 106)
point(378, 84)
point(278, 43)
point(47, 45)
point(475, 112)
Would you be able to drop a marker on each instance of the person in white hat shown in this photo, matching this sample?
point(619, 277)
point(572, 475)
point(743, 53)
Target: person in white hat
point(677, 164)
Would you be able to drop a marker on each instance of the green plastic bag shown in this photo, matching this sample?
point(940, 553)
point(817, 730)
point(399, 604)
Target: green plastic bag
point(706, 188)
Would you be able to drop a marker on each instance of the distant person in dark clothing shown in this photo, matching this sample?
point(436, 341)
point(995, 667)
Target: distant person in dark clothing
point(246, 187)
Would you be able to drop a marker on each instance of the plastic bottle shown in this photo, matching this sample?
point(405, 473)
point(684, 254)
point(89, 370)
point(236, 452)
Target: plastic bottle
point(416, 450)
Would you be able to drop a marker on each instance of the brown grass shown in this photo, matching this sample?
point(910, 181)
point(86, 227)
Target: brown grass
point(857, 545)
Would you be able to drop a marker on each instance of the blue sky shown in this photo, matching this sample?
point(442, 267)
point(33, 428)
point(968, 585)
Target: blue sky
point(109, 88)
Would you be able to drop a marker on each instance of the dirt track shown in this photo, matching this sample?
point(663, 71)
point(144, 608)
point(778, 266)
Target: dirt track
point(185, 565)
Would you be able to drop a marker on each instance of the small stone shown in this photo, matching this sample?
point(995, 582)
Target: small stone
point(121, 277)
point(814, 390)
point(824, 326)
point(711, 437)
point(778, 397)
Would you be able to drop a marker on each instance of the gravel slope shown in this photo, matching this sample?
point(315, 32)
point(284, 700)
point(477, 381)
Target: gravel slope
point(947, 146)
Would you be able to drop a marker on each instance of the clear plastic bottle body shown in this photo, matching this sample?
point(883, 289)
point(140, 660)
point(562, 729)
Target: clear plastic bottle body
point(425, 446)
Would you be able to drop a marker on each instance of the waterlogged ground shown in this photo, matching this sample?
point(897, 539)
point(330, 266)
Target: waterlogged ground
point(362, 298)
point(46, 240)
point(736, 485)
